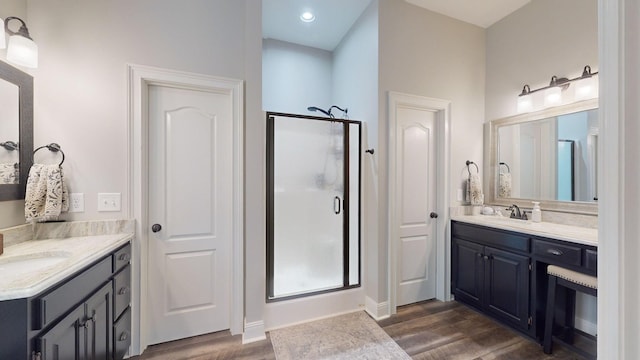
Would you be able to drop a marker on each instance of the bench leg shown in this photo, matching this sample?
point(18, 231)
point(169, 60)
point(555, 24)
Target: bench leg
point(550, 311)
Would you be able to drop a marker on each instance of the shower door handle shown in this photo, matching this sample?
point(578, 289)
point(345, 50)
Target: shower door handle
point(336, 205)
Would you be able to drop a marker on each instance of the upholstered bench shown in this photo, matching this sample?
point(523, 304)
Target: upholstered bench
point(573, 281)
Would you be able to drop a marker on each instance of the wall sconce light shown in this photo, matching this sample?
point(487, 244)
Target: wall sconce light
point(21, 50)
point(585, 89)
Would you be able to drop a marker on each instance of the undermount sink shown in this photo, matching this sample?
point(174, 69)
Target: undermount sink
point(22, 264)
point(509, 220)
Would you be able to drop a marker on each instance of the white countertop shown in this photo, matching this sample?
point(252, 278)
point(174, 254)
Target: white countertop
point(78, 251)
point(575, 234)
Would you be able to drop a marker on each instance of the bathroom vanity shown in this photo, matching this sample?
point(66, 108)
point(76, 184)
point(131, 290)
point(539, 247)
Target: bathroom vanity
point(73, 302)
point(499, 265)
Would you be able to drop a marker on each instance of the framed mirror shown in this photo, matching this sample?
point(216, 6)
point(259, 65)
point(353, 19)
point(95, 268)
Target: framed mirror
point(548, 156)
point(16, 131)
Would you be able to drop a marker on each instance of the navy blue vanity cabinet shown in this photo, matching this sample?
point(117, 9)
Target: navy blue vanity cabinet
point(79, 318)
point(491, 272)
point(83, 334)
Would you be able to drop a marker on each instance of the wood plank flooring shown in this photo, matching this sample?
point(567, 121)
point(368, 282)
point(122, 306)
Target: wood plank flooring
point(426, 330)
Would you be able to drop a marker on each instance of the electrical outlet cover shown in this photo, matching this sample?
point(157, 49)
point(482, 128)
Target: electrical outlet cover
point(76, 202)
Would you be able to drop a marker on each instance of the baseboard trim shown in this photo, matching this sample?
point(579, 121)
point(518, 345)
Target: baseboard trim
point(253, 331)
point(586, 326)
point(377, 311)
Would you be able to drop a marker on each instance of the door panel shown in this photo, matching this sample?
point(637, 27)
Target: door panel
point(66, 339)
point(468, 270)
point(190, 196)
point(507, 280)
point(415, 200)
point(100, 322)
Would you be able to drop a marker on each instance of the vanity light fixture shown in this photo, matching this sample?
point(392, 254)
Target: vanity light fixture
point(21, 50)
point(585, 89)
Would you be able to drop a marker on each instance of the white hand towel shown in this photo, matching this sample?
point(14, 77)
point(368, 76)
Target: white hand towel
point(46, 196)
point(474, 190)
point(9, 173)
point(504, 186)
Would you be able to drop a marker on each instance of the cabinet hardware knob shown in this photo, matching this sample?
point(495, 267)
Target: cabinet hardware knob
point(555, 252)
point(123, 290)
point(486, 257)
point(479, 255)
point(123, 257)
point(156, 227)
point(123, 337)
point(433, 215)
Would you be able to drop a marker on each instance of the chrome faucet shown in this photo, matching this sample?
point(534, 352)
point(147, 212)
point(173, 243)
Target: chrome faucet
point(515, 212)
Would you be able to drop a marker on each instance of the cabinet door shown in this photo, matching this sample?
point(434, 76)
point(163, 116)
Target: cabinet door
point(467, 271)
point(98, 324)
point(66, 339)
point(507, 286)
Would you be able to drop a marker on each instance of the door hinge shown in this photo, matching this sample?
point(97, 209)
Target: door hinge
point(35, 355)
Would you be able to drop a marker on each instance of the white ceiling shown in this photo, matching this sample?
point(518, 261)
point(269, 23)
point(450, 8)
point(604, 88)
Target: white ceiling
point(483, 13)
point(334, 18)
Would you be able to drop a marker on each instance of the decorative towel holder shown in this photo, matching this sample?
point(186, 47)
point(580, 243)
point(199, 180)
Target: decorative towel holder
point(505, 164)
point(10, 145)
point(53, 147)
point(469, 162)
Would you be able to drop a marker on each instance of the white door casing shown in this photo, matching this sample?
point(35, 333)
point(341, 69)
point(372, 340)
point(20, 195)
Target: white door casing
point(401, 105)
point(190, 157)
point(141, 78)
point(415, 200)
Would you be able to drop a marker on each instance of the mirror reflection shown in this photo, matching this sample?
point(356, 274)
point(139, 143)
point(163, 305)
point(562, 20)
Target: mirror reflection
point(553, 158)
point(9, 133)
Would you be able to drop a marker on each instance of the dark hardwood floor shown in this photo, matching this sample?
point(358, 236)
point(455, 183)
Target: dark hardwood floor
point(426, 330)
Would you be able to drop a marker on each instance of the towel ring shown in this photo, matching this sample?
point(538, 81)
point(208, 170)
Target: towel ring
point(505, 164)
point(474, 164)
point(53, 147)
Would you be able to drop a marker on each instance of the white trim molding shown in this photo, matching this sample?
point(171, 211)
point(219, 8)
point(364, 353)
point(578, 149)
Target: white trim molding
point(253, 331)
point(139, 79)
point(378, 311)
point(442, 109)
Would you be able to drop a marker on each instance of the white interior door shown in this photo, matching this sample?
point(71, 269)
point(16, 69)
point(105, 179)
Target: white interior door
point(415, 200)
point(190, 198)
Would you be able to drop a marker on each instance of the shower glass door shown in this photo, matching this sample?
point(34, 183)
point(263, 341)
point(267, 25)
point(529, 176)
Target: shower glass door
point(313, 205)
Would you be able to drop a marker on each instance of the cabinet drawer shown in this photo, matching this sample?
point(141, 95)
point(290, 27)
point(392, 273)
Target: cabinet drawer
point(121, 257)
point(122, 335)
point(561, 253)
point(121, 291)
point(52, 305)
point(491, 237)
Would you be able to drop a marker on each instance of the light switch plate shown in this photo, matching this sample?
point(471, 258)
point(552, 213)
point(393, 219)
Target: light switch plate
point(76, 202)
point(109, 201)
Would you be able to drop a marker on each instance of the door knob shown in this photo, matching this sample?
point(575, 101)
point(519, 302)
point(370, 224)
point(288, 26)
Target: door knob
point(433, 215)
point(156, 227)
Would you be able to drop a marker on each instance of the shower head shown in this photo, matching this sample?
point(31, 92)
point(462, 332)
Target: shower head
point(313, 108)
point(345, 110)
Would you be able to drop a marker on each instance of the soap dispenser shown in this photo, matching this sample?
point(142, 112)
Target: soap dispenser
point(536, 213)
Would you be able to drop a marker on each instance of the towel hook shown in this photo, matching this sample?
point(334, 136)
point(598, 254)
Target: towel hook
point(505, 164)
point(474, 164)
point(10, 145)
point(53, 147)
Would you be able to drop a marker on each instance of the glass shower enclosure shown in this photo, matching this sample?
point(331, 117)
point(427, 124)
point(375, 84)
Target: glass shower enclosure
point(313, 205)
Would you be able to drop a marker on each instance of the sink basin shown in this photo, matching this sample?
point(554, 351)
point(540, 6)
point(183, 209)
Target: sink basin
point(22, 264)
point(507, 220)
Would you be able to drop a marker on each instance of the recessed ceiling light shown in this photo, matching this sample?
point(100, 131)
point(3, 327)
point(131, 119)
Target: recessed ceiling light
point(307, 16)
